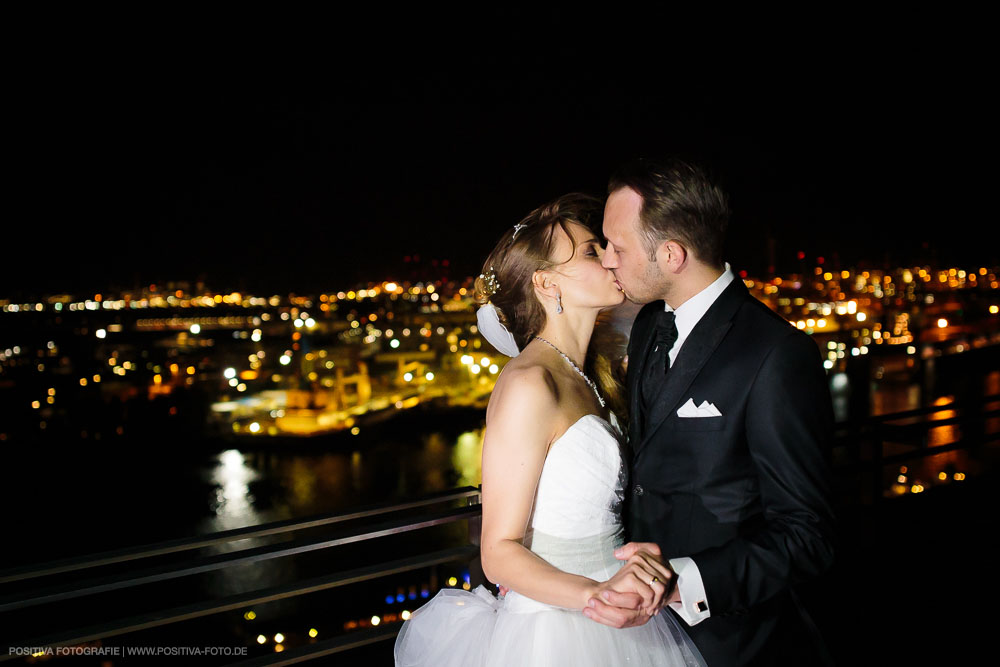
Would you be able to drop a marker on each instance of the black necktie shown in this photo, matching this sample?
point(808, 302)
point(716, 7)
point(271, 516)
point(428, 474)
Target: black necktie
point(664, 336)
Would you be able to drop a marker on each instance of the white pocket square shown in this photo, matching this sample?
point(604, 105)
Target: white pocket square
point(706, 409)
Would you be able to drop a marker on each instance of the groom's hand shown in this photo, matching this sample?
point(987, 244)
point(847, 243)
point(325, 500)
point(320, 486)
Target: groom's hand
point(648, 554)
point(637, 591)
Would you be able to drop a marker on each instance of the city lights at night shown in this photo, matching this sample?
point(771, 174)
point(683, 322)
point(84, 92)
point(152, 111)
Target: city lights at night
point(244, 387)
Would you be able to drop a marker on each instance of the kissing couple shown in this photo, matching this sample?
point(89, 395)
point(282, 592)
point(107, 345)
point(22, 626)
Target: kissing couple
point(652, 508)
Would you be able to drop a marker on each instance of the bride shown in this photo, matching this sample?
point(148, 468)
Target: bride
point(553, 474)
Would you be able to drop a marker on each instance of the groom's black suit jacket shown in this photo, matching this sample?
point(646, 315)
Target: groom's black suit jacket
point(747, 494)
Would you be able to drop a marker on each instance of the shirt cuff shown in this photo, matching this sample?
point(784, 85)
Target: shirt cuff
point(693, 606)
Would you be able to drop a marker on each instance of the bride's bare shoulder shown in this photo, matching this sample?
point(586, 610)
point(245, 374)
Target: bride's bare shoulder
point(524, 388)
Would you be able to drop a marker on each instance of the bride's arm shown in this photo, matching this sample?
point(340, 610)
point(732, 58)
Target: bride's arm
point(520, 424)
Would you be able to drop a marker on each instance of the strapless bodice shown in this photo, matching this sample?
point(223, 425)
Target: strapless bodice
point(582, 485)
point(576, 522)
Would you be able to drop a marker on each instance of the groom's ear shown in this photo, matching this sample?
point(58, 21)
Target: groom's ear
point(671, 256)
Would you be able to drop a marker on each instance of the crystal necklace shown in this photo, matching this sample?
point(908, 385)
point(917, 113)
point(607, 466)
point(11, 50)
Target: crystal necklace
point(576, 368)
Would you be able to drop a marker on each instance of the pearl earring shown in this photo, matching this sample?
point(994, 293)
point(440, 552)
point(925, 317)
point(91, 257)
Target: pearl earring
point(559, 304)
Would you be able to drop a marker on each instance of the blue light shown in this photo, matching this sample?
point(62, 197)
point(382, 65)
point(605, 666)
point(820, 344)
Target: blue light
point(425, 593)
point(389, 599)
point(466, 578)
point(413, 595)
point(400, 597)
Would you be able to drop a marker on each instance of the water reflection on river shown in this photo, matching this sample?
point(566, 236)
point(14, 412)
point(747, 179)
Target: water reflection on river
point(259, 486)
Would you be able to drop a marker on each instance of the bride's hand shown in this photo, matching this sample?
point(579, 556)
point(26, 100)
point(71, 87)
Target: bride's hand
point(617, 608)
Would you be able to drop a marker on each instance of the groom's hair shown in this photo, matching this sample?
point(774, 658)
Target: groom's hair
point(679, 201)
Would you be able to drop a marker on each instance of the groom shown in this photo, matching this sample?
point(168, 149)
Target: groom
point(730, 416)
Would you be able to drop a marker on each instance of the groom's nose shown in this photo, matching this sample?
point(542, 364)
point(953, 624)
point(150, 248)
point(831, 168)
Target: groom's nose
point(610, 260)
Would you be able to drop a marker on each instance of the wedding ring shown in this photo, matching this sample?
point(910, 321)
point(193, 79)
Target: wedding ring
point(653, 580)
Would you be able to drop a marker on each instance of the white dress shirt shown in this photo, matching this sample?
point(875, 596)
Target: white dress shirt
point(689, 313)
point(693, 606)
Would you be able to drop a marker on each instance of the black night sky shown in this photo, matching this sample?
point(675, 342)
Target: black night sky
point(269, 163)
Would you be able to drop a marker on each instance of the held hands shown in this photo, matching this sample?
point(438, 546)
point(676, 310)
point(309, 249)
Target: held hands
point(637, 592)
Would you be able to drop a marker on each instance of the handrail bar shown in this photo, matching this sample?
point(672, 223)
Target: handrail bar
point(197, 610)
point(934, 423)
point(207, 564)
point(891, 416)
point(918, 453)
point(939, 449)
point(196, 542)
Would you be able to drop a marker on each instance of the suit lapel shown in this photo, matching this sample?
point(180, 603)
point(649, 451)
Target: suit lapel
point(696, 350)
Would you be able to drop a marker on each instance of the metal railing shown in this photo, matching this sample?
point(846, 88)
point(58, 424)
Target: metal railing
point(89, 586)
point(864, 442)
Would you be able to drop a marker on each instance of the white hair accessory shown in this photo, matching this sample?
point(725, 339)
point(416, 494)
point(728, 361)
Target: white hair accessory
point(495, 333)
point(491, 285)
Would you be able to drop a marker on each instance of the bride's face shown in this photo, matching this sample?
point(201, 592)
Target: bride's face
point(582, 281)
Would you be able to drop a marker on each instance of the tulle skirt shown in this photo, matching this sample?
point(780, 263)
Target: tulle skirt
point(458, 628)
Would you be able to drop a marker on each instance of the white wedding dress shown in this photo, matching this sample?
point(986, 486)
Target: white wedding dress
point(575, 525)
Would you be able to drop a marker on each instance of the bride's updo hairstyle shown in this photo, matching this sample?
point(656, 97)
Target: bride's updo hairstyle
point(506, 278)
